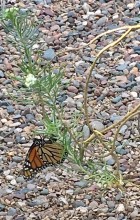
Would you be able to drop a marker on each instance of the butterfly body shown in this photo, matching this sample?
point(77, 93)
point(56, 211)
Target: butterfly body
point(41, 154)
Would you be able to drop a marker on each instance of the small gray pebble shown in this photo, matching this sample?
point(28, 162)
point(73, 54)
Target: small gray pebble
point(89, 197)
point(138, 66)
point(76, 83)
point(78, 203)
point(48, 1)
point(4, 103)
point(131, 78)
point(25, 190)
point(121, 67)
point(70, 102)
point(131, 85)
point(7, 81)
point(30, 117)
point(121, 217)
point(137, 4)
point(11, 211)
point(110, 162)
point(17, 159)
point(71, 20)
point(39, 1)
point(82, 183)
point(111, 218)
point(98, 76)
point(101, 97)
point(98, 125)
point(20, 179)
point(19, 217)
point(56, 71)
point(1, 170)
point(3, 192)
point(72, 14)
point(17, 116)
point(120, 150)
point(20, 139)
point(49, 54)
point(116, 99)
point(123, 169)
point(1, 50)
point(86, 131)
point(10, 109)
point(1, 74)
point(62, 98)
point(111, 204)
point(123, 129)
point(32, 203)
point(80, 28)
point(79, 105)
point(101, 21)
point(44, 192)
point(65, 81)
point(36, 202)
point(1, 96)
point(137, 49)
point(115, 117)
point(118, 196)
point(23, 11)
point(2, 207)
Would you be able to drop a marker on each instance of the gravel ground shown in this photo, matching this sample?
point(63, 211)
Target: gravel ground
point(61, 193)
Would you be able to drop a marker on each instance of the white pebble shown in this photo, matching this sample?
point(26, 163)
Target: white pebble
point(137, 79)
point(98, 12)
point(131, 5)
point(135, 213)
point(120, 208)
point(35, 46)
point(21, 204)
point(3, 120)
point(85, 23)
point(13, 182)
point(31, 186)
point(115, 16)
point(82, 209)
point(9, 177)
point(18, 130)
point(8, 217)
point(86, 7)
point(6, 172)
point(62, 199)
point(134, 94)
point(8, 191)
point(78, 96)
point(69, 191)
point(16, 124)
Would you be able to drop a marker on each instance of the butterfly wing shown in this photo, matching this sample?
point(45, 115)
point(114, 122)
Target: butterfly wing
point(51, 154)
point(33, 162)
point(41, 154)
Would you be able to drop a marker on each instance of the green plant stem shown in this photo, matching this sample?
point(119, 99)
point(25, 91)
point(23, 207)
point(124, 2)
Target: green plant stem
point(41, 101)
point(65, 125)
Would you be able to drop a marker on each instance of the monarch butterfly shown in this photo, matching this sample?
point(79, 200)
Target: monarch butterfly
point(41, 154)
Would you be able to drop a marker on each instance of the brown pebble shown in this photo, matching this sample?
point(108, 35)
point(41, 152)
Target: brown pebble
point(73, 89)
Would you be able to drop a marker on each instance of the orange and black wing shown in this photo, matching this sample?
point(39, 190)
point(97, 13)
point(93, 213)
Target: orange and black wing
point(51, 154)
point(33, 162)
point(41, 154)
